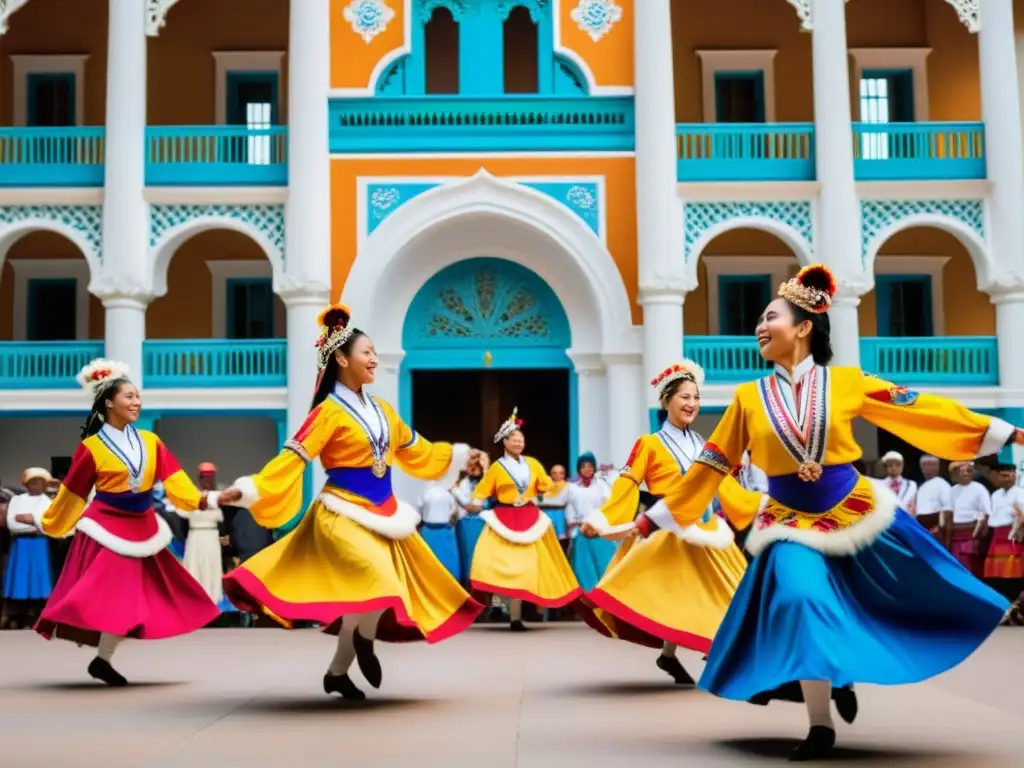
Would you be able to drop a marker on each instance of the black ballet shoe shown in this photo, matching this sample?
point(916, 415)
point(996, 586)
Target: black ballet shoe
point(818, 744)
point(368, 662)
point(101, 670)
point(342, 684)
point(846, 703)
point(517, 626)
point(675, 670)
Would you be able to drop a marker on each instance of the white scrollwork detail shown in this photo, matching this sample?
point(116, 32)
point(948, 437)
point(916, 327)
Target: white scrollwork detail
point(969, 13)
point(581, 197)
point(84, 220)
point(368, 18)
point(384, 200)
point(7, 7)
point(112, 286)
point(596, 17)
point(804, 12)
point(156, 15)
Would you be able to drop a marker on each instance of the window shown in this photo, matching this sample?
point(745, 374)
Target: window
point(441, 52)
point(885, 97)
point(739, 97)
point(52, 309)
point(48, 90)
point(742, 299)
point(250, 310)
point(252, 102)
point(521, 65)
point(51, 99)
point(904, 305)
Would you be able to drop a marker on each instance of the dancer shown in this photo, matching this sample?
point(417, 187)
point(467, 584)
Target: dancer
point(120, 579)
point(518, 554)
point(845, 587)
point(355, 563)
point(27, 580)
point(589, 557)
point(675, 588)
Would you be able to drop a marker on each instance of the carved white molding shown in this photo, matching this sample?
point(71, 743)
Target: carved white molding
point(7, 7)
point(109, 287)
point(804, 12)
point(302, 289)
point(50, 269)
point(156, 15)
point(968, 11)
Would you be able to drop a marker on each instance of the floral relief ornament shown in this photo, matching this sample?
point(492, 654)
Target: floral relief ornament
point(596, 17)
point(368, 17)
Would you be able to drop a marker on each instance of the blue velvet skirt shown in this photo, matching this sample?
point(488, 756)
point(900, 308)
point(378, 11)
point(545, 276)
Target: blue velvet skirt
point(467, 532)
point(444, 543)
point(589, 559)
point(28, 569)
point(901, 610)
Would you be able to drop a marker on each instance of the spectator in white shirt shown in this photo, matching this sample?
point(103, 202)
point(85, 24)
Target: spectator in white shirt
point(27, 579)
point(971, 506)
point(933, 506)
point(905, 490)
point(438, 513)
point(1004, 564)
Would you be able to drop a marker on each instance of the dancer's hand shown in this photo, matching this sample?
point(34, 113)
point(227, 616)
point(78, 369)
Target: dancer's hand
point(588, 531)
point(230, 495)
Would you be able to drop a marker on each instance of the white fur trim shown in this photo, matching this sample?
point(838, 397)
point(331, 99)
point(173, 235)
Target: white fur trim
point(250, 493)
point(529, 536)
point(137, 549)
point(721, 537)
point(460, 455)
point(844, 542)
point(597, 520)
point(398, 526)
point(995, 438)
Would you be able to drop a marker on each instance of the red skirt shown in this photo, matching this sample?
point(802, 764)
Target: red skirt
point(1005, 558)
point(142, 597)
point(968, 550)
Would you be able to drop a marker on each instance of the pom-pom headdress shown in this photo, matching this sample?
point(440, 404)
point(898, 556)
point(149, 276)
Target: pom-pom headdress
point(685, 369)
point(335, 329)
point(99, 373)
point(511, 425)
point(812, 289)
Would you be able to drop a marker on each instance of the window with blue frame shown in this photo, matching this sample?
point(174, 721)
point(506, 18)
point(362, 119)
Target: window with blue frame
point(904, 305)
point(250, 308)
point(51, 99)
point(521, 52)
point(441, 52)
point(52, 309)
point(741, 300)
point(252, 102)
point(886, 96)
point(739, 97)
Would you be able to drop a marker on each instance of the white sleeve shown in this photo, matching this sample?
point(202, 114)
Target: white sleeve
point(946, 499)
point(986, 504)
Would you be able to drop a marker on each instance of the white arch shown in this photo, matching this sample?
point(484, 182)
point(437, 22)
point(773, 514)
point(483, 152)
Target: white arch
point(11, 233)
point(797, 243)
point(486, 216)
point(161, 253)
point(968, 238)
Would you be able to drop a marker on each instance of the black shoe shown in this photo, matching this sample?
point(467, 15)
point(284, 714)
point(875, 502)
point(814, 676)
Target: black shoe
point(846, 703)
point(818, 744)
point(101, 670)
point(671, 665)
point(517, 626)
point(368, 662)
point(342, 684)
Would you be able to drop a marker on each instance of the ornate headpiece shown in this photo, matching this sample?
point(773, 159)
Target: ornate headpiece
point(335, 330)
point(97, 374)
point(511, 425)
point(812, 289)
point(685, 369)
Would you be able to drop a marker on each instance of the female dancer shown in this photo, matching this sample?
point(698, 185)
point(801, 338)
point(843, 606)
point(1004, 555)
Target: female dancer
point(675, 588)
point(120, 579)
point(355, 563)
point(518, 554)
point(845, 587)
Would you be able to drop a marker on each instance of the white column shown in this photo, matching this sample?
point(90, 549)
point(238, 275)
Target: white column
point(627, 415)
point(1009, 322)
point(593, 407)
point(302, 309)
point(659, 210)
point(837, 239)
point(844, 321)
point(125, 213)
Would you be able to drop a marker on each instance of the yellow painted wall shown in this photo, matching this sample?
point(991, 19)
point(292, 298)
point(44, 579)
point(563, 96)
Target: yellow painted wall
point(620, 204)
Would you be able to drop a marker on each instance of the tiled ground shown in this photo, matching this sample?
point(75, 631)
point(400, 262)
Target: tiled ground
point(558, 696)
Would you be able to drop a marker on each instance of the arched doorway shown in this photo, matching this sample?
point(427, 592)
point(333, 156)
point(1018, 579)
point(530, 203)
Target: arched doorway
point(481, 337)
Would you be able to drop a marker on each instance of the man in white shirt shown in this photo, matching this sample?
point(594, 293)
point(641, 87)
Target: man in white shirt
point(1004, 563)
point(971, 506)
point(905, 490)
point(933, 506)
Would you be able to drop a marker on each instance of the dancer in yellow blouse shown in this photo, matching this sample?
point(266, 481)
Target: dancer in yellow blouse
point(355, 564)
point(674, 588)
point(845, 587)
point(518, 554)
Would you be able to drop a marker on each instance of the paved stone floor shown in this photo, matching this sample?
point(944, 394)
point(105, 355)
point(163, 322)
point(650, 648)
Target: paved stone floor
point(558, 696)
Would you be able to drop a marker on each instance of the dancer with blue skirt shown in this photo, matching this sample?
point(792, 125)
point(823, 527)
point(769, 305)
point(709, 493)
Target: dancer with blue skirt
point(845, 587)
point(438, 514)
point(589, 557)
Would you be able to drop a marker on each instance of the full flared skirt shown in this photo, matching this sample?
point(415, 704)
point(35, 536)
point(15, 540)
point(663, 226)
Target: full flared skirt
point(1005, 559)
point(900, 611)
point(203, 560)
point(663, 589)
point(330, 567)
point(27, 576)
point(444, 543)
point(590, 559)
point(537, 573)
point(98, 591)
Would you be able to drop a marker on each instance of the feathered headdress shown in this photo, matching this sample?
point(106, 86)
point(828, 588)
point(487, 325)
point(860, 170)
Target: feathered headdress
point(812, 289)
point(511, 425)
point(685, 369)
point(97, 374)
point(335, 329)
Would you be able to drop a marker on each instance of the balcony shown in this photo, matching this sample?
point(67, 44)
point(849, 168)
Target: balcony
point(944, 361)
point(745, 152)
point(45, 364)
point(216, 155)
point(208, 363)
point(52, 157)
point(918, 151)
point(477, 124)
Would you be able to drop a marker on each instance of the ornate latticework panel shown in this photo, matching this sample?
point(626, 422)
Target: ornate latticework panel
point(84, 219)
point(267, 220)
point(698, 218)
point(878, 215)
point(486, 301)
